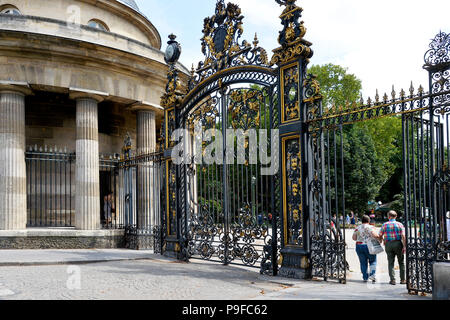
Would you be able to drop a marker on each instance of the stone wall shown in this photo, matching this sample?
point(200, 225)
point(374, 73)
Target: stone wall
point(50, 120)
point(62, 239)
point(33, 243)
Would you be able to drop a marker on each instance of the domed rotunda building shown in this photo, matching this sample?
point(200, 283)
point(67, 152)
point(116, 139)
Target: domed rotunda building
point(76, 78)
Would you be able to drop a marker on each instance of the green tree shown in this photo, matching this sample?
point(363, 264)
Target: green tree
point(367, 156)
point(386, 134)
point(363, 173)
point(338, 87)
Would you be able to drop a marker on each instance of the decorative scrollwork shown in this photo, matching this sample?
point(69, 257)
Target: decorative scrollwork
point(439, 53)
point(206, 250)
point(221, 44)
point(172, 203)
point(291, 37)
point(442, 179)
point(246, 228)
point(202, 224)
point(443, 251)
point(327, 258)
point(290, 99)
point(311, 88)
point(440, 88)
point(204, 115)
point(173, 95)
point(294, 214)
point(420, 259)
point(245, 107)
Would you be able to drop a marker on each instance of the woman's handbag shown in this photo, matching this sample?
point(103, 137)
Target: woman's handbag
point(374, 246)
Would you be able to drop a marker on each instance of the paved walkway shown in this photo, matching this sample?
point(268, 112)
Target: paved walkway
point(53, 257)
point(155, 277)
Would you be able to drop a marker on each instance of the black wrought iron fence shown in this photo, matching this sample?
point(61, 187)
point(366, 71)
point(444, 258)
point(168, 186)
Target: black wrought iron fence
point(139, 202)
point(111, 216)
point(129, 193)
point(50, 187)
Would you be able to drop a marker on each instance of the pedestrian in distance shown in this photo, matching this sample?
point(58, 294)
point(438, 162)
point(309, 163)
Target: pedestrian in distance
point(393, 233)
point(372, 220)
point(352, 219)
point(368, 262)
point(108, 208)
point(333, 222)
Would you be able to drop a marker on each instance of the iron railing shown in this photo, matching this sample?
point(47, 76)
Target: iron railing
point(139, 194)
point(109, 188)
point(131, 186)
point(50, 187)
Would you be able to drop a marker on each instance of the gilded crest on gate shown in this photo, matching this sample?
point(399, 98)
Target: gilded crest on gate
point(221, 44)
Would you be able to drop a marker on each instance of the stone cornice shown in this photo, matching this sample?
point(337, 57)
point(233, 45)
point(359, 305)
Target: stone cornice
point(145, 106)
point(16, 87)
point(69, 51)
point(135, 17)
point(80, 33)
point(79, 93)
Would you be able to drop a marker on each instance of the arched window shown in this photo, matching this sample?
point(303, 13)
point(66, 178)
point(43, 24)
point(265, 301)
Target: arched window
point(94, 23)
point(9, 10)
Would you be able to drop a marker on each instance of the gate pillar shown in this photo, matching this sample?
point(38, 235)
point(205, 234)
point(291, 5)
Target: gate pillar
point(292, 59)
point(170, 200)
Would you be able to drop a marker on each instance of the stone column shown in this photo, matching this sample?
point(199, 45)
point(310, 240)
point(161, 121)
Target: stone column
point(87, 176)
point(147, 195)
point(13, 192)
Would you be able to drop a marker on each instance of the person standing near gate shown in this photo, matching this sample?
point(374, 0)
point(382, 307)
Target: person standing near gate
point(395, 243)
point(364, 233)
point(108, 208)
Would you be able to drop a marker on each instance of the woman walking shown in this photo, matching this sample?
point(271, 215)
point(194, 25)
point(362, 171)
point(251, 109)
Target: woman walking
point(363, 233)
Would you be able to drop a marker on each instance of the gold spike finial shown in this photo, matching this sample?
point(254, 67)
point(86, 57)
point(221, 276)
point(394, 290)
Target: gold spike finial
point(420, 89)
point(256, 41)
point(393, 93)
point(385, 98)
point(411, 89)
point(377, 97)
point(402, 93)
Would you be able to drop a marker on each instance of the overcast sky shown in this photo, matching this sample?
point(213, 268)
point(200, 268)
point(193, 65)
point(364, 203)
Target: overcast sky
point(382, 42)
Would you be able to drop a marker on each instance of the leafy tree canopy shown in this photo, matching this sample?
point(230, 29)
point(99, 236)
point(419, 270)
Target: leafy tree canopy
point(338, 87)
point(372, 149)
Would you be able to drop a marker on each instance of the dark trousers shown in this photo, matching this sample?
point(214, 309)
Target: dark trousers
point(395, 249)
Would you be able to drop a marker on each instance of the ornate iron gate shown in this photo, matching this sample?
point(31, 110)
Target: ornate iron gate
point(226, 207)
point(226, 210)
point(230, 204)
point(229, 210)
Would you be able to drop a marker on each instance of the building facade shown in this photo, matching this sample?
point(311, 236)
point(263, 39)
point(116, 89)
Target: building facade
point(76, 78)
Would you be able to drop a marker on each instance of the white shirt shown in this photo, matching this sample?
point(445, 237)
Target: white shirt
point(363, 233)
